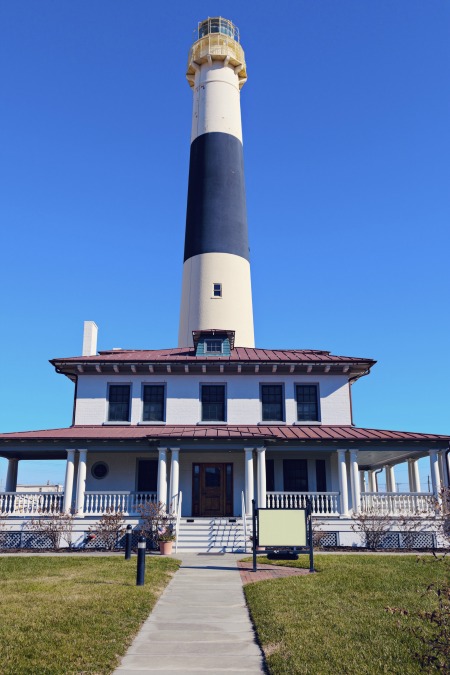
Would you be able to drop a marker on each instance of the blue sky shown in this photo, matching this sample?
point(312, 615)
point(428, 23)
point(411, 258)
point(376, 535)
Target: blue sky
point(346, 145)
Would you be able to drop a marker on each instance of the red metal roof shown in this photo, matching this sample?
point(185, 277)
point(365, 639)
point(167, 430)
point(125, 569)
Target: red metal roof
point(237, 354)
point(261, 432)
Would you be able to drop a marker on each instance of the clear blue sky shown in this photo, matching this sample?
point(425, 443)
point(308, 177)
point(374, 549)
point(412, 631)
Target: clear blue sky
point(347, 144)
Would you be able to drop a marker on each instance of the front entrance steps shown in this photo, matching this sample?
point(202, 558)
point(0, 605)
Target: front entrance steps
point(213, 535)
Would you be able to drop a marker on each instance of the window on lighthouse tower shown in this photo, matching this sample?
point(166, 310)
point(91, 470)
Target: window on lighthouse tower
point(217, 290)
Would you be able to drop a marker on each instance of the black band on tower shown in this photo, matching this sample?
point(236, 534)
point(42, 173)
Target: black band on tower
point(216, 219)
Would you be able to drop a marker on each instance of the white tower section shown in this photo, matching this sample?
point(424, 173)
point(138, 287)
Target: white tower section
point(216, 292)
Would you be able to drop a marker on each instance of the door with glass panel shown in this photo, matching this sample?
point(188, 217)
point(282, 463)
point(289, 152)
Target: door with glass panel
point(212, 489)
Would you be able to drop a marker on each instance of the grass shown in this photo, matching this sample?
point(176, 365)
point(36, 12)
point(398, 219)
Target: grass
point(73, 614)
point(335, 621)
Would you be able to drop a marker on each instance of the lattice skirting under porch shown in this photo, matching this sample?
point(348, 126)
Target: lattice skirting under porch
point(408, 540)
point(36, 541)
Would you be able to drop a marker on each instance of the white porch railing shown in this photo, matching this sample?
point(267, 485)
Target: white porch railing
point(178, 518)
point(322, 503)
point(97, 503)
point(398, 503)
point(30, 503)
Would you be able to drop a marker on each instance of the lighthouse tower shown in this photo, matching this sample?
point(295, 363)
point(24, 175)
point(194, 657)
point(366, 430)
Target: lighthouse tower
point(216, 291)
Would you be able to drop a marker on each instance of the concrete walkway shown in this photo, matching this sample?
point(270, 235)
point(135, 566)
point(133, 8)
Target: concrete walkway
point(199, 625)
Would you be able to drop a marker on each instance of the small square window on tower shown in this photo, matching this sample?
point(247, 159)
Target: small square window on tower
point(217, 290)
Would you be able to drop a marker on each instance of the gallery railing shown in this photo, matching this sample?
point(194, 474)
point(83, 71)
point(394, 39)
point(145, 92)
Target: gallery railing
point(322, 503)
point(128, 503)
point(30, 503)
point(399, 503)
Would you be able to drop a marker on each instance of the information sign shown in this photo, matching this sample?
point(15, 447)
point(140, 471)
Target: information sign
point(282, 527)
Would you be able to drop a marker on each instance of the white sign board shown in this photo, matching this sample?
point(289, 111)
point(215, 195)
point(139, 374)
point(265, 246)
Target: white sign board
point(281, 527)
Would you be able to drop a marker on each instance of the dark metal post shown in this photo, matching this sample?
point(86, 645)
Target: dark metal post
point(140, 576)
point(128, 537)
point(254, 534)
point(310, 537)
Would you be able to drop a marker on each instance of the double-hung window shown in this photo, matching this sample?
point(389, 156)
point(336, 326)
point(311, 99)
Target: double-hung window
point(119, 403)
point(213, 346)
point(213, 402)
point(307, 402)
point(153, 403)
point(272, 402)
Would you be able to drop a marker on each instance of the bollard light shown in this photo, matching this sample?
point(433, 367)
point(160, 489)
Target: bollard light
point(128, 538)
point(140, 576)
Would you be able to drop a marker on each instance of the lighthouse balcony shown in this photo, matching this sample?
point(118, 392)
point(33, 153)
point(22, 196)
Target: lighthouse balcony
point(216, 47)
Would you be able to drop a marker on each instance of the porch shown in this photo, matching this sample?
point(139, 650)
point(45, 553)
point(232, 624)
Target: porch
point(323, 504)
point(344, 482)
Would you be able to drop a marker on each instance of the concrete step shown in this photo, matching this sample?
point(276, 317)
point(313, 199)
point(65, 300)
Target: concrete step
point(211, 535)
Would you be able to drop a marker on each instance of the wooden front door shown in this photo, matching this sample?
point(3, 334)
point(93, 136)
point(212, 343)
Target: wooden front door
point(212, 489)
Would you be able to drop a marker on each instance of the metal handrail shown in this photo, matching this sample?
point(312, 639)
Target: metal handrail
point(244, 521)
point(177, 522)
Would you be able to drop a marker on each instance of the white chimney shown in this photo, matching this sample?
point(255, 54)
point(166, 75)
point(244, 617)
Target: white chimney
point(90, 333)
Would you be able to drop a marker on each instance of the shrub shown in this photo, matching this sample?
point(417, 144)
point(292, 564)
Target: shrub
point(156, 524)
point(56, 525)
point(108, 530)
point(372, 527)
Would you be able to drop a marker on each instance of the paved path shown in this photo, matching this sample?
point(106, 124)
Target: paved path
point(268, 572)
point(199, 625)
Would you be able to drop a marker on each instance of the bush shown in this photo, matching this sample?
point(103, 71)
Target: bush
point(56, 525)
point(108, 530)
point(156, 524)
point(372, 527)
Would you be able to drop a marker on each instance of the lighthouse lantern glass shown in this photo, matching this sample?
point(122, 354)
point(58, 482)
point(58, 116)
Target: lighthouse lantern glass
point(218, 24)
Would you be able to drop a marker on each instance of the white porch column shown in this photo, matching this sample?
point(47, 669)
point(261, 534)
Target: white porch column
point(174, 479)
point(11, 475)
point(413, 475)
point(343, 487)
point(162, 476)
point(372, 481)
point(354, 479)
point(415, 471)
point(410, 476)
point(390, 478)
point(362, 481)
point(81, 483)
point(249, 480)
point(68, 483)
point(445, 468)
point(261, 454)
point(435, 476)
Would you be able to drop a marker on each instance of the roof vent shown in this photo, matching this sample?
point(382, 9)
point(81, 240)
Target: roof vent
point(90, 333)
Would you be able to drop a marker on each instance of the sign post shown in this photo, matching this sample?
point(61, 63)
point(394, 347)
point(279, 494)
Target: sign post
point(286, 531)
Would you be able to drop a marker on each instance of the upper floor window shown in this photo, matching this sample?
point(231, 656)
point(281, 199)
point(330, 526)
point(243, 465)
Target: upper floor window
point(307, 403)
point(153, 403)
point(213, 346)
point(213, 402)
point(272, 402)
point(119, 403)
point(217, 290)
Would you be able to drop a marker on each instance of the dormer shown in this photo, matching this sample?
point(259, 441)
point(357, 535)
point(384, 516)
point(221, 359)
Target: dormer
point(213, 342)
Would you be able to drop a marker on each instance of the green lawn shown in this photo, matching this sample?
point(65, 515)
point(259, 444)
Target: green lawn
point(335, 621)
point(73, 614)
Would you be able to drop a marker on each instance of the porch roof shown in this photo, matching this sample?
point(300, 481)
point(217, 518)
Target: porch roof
point(264, 433)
